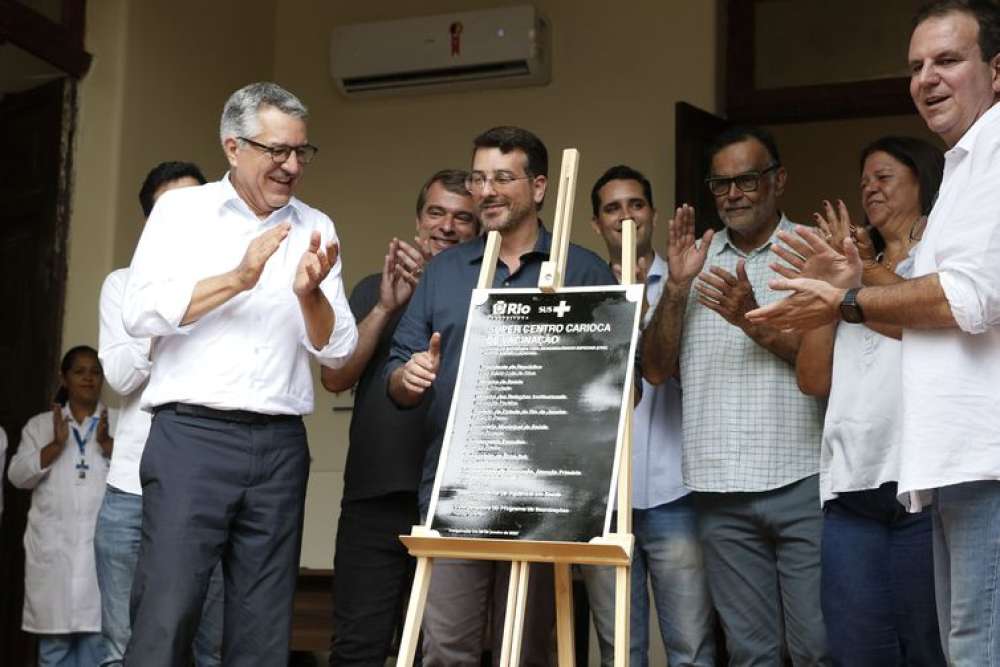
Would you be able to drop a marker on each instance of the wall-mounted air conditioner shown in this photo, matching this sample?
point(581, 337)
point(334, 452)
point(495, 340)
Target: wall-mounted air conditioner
point(477, 49)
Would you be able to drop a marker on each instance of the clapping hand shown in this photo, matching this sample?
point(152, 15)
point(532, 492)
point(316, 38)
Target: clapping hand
point(685, 257)
point(835, 224)
point(809, 256)
point(258, 252)
point(410, 260)
point(315, 265)
point(730, 296)
point(60, 426)
point(398, 283)
point(103, 433)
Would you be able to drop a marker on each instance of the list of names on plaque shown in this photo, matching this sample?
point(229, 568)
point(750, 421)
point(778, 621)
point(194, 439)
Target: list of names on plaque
point(533, 432)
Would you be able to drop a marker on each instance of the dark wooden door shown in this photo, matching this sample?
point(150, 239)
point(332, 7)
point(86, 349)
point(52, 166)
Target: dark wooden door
point(35, 136)
point(694, 129)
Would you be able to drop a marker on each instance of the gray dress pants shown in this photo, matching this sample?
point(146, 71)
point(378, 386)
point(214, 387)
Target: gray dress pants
point(461, 595)
point(762, 560)
point(218, 490)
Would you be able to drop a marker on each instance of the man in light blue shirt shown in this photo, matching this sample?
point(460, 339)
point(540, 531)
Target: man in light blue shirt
point(667, 550)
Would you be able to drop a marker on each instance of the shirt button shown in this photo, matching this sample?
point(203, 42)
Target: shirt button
point(506, 283)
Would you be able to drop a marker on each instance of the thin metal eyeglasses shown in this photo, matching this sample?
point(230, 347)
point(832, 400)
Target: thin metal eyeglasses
point(477, 182)
point(304, 153)
point(746, 182)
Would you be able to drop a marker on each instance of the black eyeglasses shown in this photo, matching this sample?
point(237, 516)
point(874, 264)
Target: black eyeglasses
point(746, 182)
point(304, 153)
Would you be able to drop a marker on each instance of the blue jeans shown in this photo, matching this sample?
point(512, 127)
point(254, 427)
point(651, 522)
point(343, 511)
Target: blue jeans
point(116, 543)
point(878, 574)
point(76, 649)
point(967, 572)
point(668, 552)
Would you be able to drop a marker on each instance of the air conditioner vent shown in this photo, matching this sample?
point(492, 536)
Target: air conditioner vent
point(428, 77)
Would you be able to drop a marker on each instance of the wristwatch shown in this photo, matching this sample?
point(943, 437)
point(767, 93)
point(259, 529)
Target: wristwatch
point(850, 310)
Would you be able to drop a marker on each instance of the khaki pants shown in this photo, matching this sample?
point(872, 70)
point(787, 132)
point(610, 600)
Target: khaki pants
point(461, 596)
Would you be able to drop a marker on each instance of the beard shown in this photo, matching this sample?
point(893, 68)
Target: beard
point(508, 215)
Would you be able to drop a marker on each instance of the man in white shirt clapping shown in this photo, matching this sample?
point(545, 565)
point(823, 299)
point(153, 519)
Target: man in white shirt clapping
point(950, 314)
point(238, 283)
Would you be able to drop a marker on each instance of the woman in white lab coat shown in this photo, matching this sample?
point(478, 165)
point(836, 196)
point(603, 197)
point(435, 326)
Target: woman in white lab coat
point(63, 457)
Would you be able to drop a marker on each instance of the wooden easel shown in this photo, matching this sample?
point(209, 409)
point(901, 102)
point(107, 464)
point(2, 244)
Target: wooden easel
point(613, 548)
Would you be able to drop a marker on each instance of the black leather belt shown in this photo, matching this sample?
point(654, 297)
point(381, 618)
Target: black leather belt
point(238, 416)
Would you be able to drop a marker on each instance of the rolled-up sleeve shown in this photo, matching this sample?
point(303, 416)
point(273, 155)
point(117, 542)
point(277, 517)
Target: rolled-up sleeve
point(969, 258)
point(160, 286)
point(344, 335)
point(125, 359)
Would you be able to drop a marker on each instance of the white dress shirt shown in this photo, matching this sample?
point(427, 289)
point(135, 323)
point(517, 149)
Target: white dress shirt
point(60, 575)
point(656, 425)
point(951, 377)
point(126, 368)
point(252, 352)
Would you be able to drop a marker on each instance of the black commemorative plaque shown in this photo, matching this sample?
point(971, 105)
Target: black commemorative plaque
point(538, 414)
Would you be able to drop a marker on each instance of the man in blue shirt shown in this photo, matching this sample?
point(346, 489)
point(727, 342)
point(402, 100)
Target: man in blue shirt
point(508, 183)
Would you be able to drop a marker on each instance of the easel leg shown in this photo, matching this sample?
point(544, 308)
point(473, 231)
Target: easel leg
point(522, 599)
point(564, 615)
point(414, 613)
point(508, 619)
point(623, 602)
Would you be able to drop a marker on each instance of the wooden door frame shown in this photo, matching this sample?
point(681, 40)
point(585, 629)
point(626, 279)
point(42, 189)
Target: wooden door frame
point(57, 99)
point(59, 43)
point(746, 103)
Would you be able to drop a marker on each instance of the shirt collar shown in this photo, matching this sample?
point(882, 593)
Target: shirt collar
point(229, 197)
point(543, 246)
point(96, 414)
point(658, 270)
point(968, 139)
point(724, 241)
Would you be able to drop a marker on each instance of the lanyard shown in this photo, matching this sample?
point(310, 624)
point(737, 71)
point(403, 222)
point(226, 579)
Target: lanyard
point(81, 443)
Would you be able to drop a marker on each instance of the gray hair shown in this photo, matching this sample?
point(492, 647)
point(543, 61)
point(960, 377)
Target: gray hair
point(239, 116)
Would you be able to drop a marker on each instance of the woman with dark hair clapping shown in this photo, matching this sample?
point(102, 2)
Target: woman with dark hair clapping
point(63, 458)
point(877, 559)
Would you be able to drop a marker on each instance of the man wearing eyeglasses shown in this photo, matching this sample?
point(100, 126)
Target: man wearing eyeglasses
point(508, 184)
point(751, 438)
point(372, 570)
point(238, 284)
